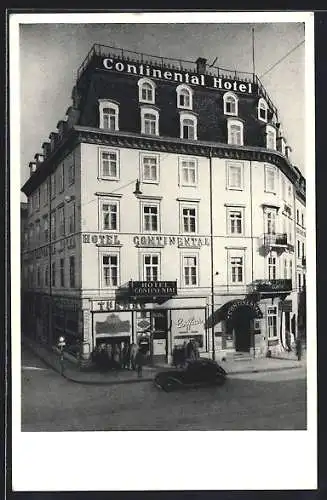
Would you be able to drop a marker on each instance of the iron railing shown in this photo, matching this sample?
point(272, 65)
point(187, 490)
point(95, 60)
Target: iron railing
point(276, 239)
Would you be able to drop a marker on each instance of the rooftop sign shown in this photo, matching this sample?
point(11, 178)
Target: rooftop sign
point(172, 75)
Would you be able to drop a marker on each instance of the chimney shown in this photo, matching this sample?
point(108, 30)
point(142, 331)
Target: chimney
point(39, 158)
point(72, 116)
point(32, 167)
point(61, 126)
point(288, 150)
point(46, 149)
point(76, 98)
point(53, 139)
point(201, 65)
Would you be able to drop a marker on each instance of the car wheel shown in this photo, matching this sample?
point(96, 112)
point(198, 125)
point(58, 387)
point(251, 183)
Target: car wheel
point(169, 385)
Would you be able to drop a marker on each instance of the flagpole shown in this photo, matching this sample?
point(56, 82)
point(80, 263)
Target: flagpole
point(253, 60)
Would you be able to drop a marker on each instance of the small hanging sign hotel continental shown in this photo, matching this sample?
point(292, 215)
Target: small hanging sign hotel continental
point(152, 288)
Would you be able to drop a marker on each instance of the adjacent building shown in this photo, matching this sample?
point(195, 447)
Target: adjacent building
point(165, 207)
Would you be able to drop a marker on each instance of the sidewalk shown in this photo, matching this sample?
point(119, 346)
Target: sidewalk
point(74, 373)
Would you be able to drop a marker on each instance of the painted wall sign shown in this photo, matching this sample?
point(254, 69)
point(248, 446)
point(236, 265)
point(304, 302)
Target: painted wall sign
point(202, 80)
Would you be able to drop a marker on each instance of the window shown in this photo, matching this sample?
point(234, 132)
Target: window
point(302, 217)
point(109, 164)
point(190, 269)
point(188, 126)
point(270, 216)
point(150, 168)
point(46, 192)
point(189, 219)
point(53, 225)
point(263, 110)
point(285, 268)
point(234, 176)
point(150, 217)
point(53, 185)
point(37, 231)
point(45, 228)
point(151, 267)
point(146, 90)
point(298, 249)
point(272, 267)
point(230, 104)
point(236, 264)
point(290, 231)
point(297, 217)
point(38, 275)
point(109, 216)
point(71, 171)
point(235, 221)
point(235, 132)
point(46, 275)
point(270, 179)
point(71, 218)
point(188, 172)
point(109, 115)
point(37, 199)
point(303, 250)
point(61, 216)
point(72, 271)
point(291, 269)
point(149, 121)
point(270, 137)
point(53, 274)
point(272, 321)
point(184, 97)
point(61, 178)
point(299, 281)
point(62, 272)
point(31, 234)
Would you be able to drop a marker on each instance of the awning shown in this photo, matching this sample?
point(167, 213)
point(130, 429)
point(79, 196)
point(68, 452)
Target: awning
point(226, 311)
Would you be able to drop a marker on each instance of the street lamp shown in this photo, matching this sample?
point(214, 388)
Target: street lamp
point(61, 345)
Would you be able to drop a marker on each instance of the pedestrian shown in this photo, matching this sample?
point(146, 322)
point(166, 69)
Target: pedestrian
point(132, 355)
point(298, 346)
point(126, 356)
point(116, 356)
point(109, 355)
point(288, 341)
point(196, 349)
point(139, 361)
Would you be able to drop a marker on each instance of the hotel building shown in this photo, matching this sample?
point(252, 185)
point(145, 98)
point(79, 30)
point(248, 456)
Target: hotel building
point(164, 207)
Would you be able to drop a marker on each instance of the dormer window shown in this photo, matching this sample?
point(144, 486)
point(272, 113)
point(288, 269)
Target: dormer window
point(184, 97)
point(235, 132)
point(263, 110)
point(270, 137)
point(230, 104)
point(146, 90)
point(109, 115)
point(188, 126)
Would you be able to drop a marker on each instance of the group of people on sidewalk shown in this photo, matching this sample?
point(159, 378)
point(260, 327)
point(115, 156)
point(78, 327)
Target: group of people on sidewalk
point(298, 345)
point(119, 356)
point(187, 351)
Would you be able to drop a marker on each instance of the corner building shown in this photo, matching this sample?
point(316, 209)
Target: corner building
point(162, 209)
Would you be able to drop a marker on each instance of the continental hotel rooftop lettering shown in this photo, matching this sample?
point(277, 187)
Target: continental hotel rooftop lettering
point(146, 70)
point(148, 241)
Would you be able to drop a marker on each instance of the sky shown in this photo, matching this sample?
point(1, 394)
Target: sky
point(50, 55)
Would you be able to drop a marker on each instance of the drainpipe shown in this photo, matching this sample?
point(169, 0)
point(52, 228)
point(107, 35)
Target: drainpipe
point(251, 229)
point(211, 258)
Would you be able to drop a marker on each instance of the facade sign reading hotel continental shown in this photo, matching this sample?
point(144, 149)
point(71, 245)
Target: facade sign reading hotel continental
point(148, 241)
point(146, 70)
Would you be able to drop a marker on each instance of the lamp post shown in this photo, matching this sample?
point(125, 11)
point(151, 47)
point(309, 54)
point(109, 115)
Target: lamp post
point(61, 345)
point(211, 259)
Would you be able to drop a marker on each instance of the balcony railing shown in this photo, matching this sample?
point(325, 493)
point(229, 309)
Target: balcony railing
point(270, 287)
point(275, 240)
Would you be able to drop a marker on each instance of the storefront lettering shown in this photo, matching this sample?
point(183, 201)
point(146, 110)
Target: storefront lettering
point(187, 324)
point(112, 305)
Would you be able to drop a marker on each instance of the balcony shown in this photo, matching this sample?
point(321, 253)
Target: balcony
point(275, 240)
point(270, 288)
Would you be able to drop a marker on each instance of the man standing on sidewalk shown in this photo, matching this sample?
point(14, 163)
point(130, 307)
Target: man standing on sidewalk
point(298, 346)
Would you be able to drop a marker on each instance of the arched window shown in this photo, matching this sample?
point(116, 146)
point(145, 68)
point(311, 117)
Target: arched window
point(150, 121)
point(235, 132)
point(188, 126)
point(184, 97)
point(230, 104)
point(146, 90)
point(109, 114)
point(263, 110)
point(270, 137)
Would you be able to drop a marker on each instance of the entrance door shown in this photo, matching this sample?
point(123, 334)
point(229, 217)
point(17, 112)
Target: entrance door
point(241, 321)
point(160, 334)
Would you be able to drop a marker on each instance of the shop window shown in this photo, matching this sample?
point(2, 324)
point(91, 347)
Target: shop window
point(235, 132)
point(150, 217)
point(149, 121)
point(109, 270)
point(188, 126)
point(188, 172)
point(190, 270)
point(262, 110)
point(189, 216)
point(272, 321)
point(235, 220)
point(62, 272)
point(72, 271)
point(109, 115)
point(230, 104)
point(270, 179)
point(150, 168)
point(236, 269)
point(235, 176)
point(270, 137)
point(109, 164)
point(109, 215)
point(184, 97)
point(151, 270)
point(146, 91)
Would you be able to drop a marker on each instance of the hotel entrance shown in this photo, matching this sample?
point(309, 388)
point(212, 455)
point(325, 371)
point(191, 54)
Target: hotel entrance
point(152, 330)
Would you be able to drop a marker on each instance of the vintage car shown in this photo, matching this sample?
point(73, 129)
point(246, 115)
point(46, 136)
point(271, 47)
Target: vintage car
point(196, 373)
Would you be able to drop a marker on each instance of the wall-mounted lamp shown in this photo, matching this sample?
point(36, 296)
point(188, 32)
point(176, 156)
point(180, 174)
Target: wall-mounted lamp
point(137, 188)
